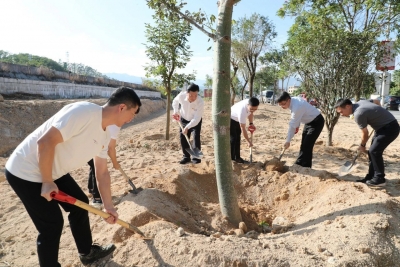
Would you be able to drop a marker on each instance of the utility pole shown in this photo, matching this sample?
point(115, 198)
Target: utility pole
point(385, 72)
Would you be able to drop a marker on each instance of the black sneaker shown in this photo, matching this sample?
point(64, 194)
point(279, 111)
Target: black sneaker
point(364, 180)
point(241, 161)
point(97, 203)
point(196, 161)
point(96, 253)
point(184, 160)
point(376, 182)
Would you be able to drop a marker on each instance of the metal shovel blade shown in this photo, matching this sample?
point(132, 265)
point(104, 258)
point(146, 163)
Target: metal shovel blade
point(346, 168)
point(195, 152)
point(348, 165)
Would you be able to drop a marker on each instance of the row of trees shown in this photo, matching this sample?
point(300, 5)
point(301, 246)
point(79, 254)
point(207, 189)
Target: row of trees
point(37, 61)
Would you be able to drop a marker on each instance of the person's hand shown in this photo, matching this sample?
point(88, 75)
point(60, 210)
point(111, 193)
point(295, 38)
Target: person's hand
point(114, 215)
point(362, 149)
point(296, 131)
point(185, 130)
point(176, 116)
point(250, 143)
point(47, 189)
point(116, 166)
point(286, 145)
point(251, 128)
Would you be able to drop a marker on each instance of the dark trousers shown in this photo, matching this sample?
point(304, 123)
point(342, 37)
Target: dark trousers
point(196, 136)
point(48, 219)
point(235, 132)
point(92, 183)
point(310, 135)
point(382, 138)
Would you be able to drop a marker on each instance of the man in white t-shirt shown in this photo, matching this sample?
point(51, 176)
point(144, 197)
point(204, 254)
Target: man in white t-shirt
point(190, 115)
point(240, 112)
point(41, 164)
point(112, 153)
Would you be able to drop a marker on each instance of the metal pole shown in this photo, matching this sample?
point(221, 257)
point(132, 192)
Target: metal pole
point(384, 74)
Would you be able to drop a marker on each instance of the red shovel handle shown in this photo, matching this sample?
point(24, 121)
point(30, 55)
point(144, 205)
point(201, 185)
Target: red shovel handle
point(252, 128)
point(61, 196)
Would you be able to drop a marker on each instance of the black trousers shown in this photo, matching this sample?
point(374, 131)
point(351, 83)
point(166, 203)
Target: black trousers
point(235, 135)
point(196, 136)
point(48, 219)
point(381, 140)
point(92, 183)
point(310, 135)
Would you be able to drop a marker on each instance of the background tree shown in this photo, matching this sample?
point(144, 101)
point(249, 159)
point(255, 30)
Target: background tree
point(375, 18)
point(333, 45)
point(221, 36)
point(168, 52)
point(208, 83)
point(273, 60)
point(30, 60)
point(252, 36)
point(395, 90)
point(264, 79)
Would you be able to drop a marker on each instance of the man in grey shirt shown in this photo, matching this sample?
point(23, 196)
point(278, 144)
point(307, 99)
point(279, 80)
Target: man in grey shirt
point(386, 131)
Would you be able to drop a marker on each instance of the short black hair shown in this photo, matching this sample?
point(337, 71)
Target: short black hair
point(254, 102)
point(193, 88)
point(125, 95)
point(284, 97)
point(342, 103)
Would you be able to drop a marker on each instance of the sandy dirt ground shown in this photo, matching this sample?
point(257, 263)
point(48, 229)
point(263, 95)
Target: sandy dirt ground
point(293, 216)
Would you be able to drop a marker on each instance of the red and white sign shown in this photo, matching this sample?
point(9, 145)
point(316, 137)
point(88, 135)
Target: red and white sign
point(387, 58)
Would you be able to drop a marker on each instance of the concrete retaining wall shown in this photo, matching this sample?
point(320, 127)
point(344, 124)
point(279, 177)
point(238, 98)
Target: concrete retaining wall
point(61, 90)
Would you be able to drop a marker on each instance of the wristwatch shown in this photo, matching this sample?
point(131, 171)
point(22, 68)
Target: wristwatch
point(363, 145)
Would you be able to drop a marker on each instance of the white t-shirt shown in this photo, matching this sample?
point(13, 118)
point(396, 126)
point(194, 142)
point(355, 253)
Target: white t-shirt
point(240, 112)
point(114, 131)
point(83, 135)
point(192, 112)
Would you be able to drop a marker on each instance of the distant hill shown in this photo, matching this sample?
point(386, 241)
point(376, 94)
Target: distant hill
point(123, 77)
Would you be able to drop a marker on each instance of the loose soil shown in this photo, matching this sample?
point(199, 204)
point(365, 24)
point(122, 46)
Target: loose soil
point(292, 216)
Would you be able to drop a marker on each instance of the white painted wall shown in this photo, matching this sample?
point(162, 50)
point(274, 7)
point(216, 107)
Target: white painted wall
point(61, 90)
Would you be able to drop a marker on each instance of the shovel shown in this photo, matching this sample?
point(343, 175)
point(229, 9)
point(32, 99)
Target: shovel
point(252, 128)
point(194, 152)
point(63, 197)
point(347, 167)
point(134, 189)
point(280, 156)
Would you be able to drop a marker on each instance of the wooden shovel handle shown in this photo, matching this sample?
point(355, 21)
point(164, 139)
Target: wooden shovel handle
point(63, 197)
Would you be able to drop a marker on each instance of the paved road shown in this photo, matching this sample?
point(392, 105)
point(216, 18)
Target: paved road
point(396, 114)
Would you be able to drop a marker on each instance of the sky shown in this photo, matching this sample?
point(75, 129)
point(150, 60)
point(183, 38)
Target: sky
point(109, 36)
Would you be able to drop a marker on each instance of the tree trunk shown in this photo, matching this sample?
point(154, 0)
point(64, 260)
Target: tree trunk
point(251, 81)
point(221, 110)
point(233, 96)
point(168, 115)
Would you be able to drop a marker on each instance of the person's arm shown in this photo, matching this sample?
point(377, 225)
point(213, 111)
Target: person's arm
point(197, 117)
point(296, 114)
point(104, 184)
point(245, 135)
point(46, 146)
point(175, 106)
point(364, 139)
point(112, 153)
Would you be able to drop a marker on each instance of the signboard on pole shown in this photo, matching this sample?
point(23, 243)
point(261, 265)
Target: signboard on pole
point(386, 57)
